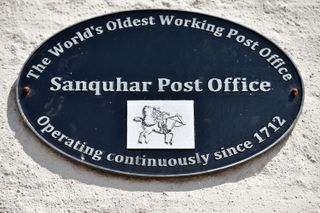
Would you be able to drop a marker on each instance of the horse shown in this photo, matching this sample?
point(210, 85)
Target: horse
point(154, 120)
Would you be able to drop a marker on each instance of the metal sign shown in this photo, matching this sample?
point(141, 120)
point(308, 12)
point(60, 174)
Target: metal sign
point(159, 93)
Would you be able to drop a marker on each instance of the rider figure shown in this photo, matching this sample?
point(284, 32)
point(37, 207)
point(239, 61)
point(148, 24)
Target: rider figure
point(150, 117)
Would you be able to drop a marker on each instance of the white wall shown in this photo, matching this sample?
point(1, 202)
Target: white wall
point(34, 178)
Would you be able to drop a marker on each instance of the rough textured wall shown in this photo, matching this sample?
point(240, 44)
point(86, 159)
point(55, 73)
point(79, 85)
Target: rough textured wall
point(34, 178)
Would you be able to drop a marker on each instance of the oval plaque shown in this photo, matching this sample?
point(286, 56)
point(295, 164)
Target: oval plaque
point(159, 93)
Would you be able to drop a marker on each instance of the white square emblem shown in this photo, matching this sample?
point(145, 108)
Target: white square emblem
point(160, 124)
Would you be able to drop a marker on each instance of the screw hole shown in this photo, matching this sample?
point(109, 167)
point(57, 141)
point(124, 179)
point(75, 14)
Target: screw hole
point(294, 92)
point(26, 90)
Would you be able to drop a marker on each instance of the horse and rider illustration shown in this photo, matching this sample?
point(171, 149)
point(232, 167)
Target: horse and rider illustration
point(154, 120)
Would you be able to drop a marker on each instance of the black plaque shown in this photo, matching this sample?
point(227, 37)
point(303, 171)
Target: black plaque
point(159, 93)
